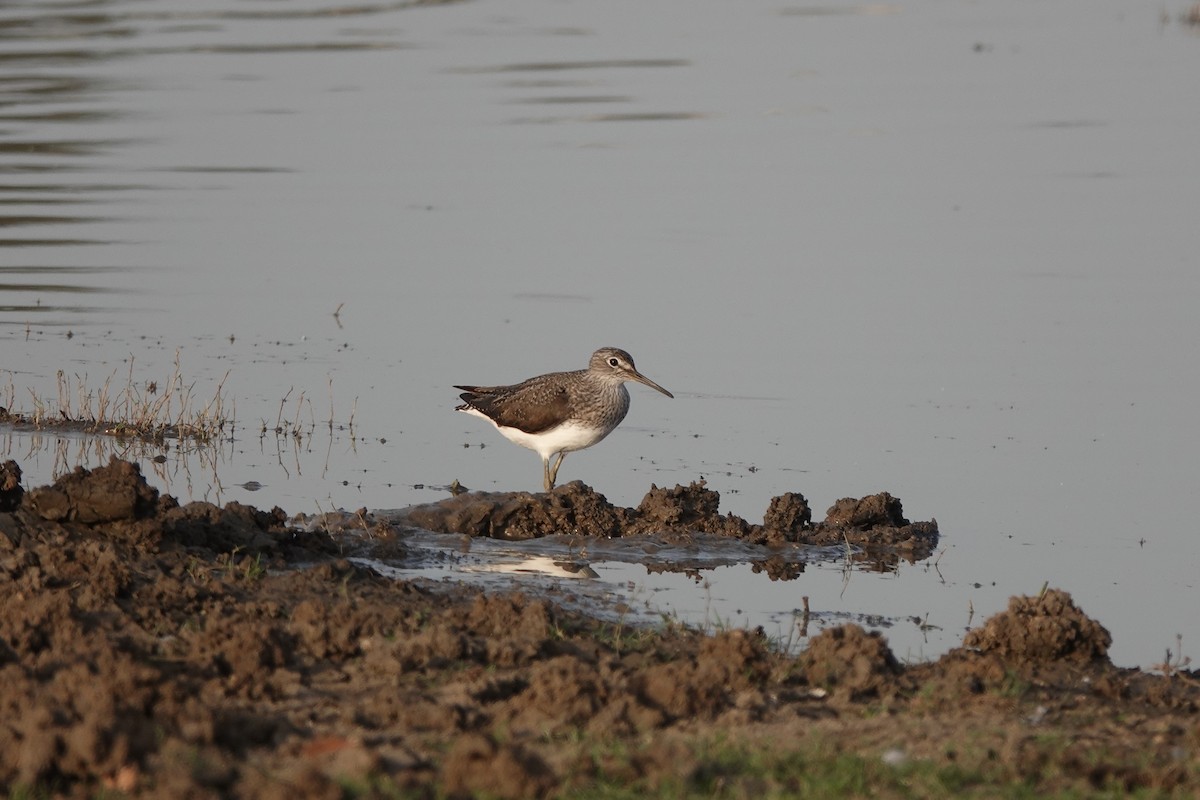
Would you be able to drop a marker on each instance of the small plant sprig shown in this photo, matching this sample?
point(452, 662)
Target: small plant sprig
point(1175, 665)
point(243, 568)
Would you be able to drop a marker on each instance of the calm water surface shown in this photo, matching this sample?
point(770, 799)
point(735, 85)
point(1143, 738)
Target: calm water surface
point(946, 250)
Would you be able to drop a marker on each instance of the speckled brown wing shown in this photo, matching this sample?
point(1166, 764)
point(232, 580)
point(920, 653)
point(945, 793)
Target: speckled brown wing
point(533, 406)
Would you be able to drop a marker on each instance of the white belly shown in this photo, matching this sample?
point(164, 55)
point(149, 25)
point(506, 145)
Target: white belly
point(563, 439)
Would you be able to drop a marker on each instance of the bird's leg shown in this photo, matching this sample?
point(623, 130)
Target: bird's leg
point(552, 475)
point(547, 481)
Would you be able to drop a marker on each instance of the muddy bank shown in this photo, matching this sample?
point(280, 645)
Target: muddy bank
point(166, 651)
point(875, 525)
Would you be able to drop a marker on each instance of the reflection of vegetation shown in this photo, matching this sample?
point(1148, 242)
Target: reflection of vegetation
point(136, 410)
point(186, 466)
point(146, 422)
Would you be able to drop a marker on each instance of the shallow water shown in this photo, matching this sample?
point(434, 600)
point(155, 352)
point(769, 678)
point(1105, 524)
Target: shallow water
point(946, 251)
point(643, 581)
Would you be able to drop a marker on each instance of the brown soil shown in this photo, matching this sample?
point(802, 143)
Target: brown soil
point(157, 650)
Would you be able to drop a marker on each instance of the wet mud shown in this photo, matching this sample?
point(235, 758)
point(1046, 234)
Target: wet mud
point(155, 650)
point(873, 525)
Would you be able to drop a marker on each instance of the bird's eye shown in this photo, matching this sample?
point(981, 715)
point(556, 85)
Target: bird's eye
point(612, 362)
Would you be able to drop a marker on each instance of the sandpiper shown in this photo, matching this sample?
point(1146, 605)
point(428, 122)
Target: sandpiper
point(561, 411)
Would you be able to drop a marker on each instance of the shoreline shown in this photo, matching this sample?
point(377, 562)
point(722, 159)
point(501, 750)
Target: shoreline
point(155, 649)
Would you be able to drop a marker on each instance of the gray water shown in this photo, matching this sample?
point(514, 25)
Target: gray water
point(946, 250)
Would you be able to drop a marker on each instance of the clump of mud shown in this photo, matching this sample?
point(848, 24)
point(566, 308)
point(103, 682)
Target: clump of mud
point(11, 490)
point(1048, 627)
point(874, 522)
point(788, 514)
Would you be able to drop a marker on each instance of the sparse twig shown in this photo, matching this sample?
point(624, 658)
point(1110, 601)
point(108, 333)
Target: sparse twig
point(1175, 665)
point(847, 565)
point(938, 561)
point(282, 402)
point(10, 393)
point(331, 397)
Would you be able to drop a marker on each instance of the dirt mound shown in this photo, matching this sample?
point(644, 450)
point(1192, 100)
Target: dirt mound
point(1048, 627)
point(477, 764)
point(730, 666)
point(851, 662)
point(874, 524)
point(693, 508)
point(878, 510)
point(573, 508)
point(106, 494)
